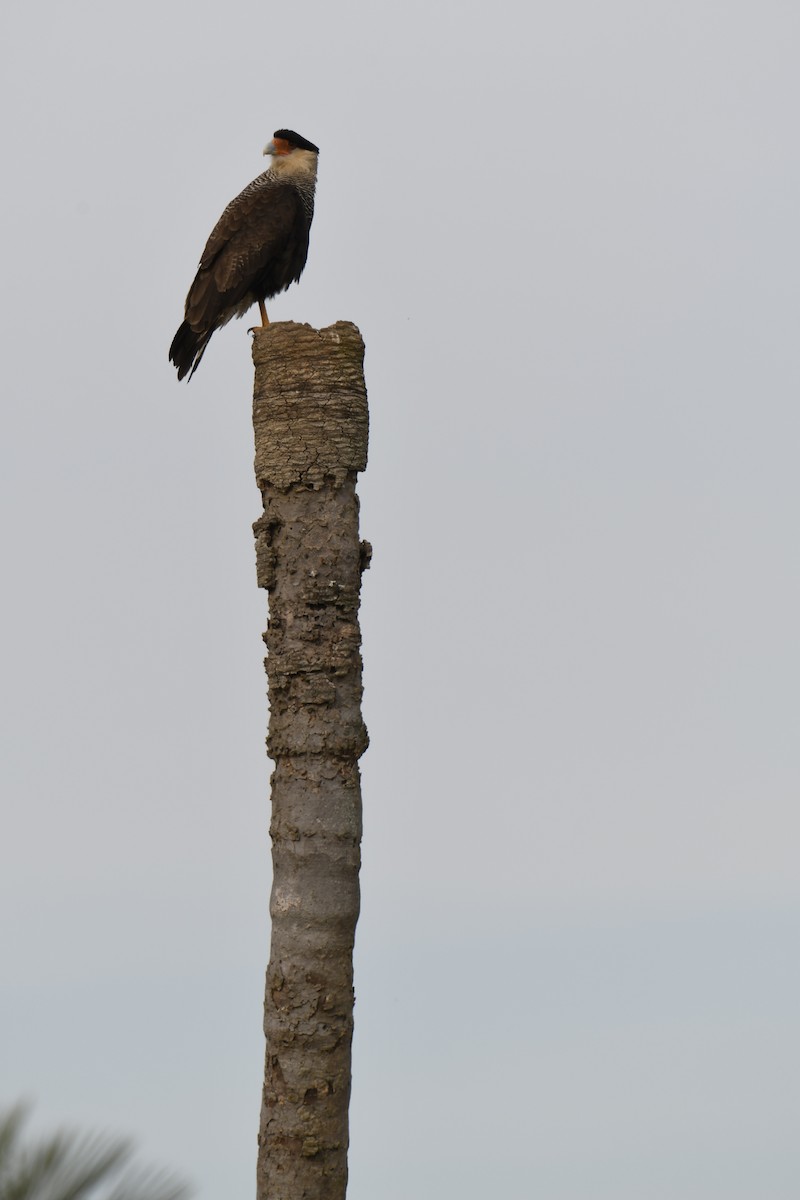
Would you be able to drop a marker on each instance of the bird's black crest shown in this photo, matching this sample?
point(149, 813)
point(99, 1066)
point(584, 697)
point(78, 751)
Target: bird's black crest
point(289, 135)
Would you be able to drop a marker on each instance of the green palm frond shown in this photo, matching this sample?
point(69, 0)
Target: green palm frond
point(69, 1166)
point(10, 1123)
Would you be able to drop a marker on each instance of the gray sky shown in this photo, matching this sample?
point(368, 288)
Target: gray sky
point(568, 233)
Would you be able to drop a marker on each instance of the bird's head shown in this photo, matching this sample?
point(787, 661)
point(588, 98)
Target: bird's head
point(286, 141)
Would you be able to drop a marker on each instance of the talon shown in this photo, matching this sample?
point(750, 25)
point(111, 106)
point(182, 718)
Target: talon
point(264, 319)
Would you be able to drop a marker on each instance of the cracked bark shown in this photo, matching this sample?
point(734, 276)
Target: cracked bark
point(310, 421)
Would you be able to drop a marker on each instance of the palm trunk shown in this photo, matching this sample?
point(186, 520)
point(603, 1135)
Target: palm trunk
point(310, 420)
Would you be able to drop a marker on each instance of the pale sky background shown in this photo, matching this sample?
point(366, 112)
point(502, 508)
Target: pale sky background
point(568, 233)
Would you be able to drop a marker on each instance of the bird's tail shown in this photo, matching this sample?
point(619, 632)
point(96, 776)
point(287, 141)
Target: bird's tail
point(187, 349)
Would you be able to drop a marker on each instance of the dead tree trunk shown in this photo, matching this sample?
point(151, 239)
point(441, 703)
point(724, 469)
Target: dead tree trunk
point(310, 420)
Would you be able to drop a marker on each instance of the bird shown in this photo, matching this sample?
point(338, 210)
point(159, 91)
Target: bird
point(257, 248)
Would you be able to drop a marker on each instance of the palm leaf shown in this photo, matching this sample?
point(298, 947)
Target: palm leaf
point(68, 1166)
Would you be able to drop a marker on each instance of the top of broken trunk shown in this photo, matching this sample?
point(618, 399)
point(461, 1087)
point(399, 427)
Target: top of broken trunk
point(309, 404)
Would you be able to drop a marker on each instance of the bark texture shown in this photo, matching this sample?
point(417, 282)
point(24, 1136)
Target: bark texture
point(310, 420)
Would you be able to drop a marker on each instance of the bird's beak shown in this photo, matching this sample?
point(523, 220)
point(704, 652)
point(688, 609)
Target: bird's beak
point(269, 148)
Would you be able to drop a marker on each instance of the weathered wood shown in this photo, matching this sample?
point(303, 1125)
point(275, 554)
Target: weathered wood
point(310, 421)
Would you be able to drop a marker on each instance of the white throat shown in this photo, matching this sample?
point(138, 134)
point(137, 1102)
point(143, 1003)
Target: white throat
point(300, 167)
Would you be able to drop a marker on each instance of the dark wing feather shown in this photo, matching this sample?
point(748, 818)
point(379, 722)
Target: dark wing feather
point(257, 248)
point(254, 250)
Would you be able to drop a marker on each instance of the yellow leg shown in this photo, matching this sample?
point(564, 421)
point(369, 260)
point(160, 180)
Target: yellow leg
point(264, 318)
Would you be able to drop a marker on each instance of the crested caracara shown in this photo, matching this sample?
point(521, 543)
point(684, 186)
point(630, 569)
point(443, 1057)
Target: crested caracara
point(256, 249)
